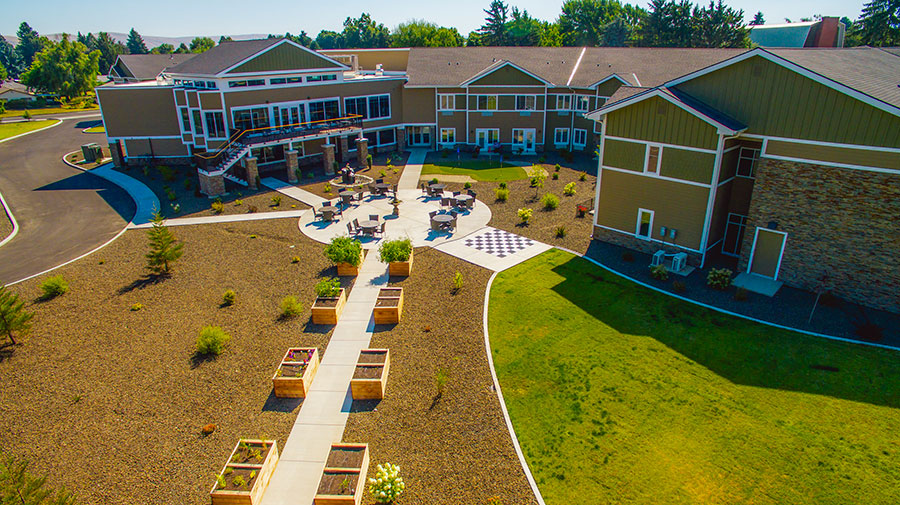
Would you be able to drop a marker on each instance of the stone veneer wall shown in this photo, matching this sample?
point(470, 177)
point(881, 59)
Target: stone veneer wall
point(644, 246)
point(840, 222)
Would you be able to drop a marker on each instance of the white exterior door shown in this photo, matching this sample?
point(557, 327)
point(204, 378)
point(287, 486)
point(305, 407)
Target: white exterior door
point(523, 139)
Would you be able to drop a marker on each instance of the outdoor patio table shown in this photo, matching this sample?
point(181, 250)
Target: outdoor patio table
point(368, 226)
point(347, 196)
point(436, 187)
point(462, 199)
point(329, 210)
point(439, 220)
point(382, 187)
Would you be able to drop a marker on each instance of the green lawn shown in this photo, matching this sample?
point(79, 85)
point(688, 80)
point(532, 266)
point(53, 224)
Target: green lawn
point(12, 129)
point(619, 394)
point(96, 129)
point(480, 170)
point(47, 110)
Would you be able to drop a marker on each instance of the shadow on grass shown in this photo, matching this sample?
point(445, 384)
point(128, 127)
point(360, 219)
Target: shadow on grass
point(738, 350)
point(285, 405)
point(143, 282)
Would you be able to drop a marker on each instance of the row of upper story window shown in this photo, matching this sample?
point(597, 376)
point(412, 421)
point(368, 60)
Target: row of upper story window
point(580, 103)
point(244, 83)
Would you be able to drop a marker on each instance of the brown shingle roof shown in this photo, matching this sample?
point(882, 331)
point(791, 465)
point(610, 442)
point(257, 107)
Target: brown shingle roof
point(147, 66)
point(625, 92)
point(223, 56)
point(645, 66)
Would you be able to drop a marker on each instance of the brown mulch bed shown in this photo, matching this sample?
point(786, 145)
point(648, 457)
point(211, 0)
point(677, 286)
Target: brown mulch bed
point(455, 449)
point(316, 184)
point(110, 402)
point(185, 184)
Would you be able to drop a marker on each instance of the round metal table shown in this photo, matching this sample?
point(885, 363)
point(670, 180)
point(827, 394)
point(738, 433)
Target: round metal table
point(368, 226)
point(462, 199)
point(439, 220)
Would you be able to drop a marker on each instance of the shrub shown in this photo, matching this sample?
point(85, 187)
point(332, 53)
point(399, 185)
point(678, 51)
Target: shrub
point(13, 317)
point(525, 215)
point(251, 209)
point(208, 429)
point(467, 185)
point(252, 235)
point(719, 278)
point(382, 173)
point(569, 189)
point(27, 115)
point(502, 194)
point(556, 168)
point(137, 306)
point(659, 272)
point(53, 287)
point(582, 177)
point(171, 195)
point(550, 201)
point(560, 232)
point(291, 307)
point(369, 160)
point(344, 250)
point(328, 288)
point(217, 206)
point(276, 200)
point(457, 281)
point(444, 153)
point(542, 159)
point(229, 297)
point(441, 378)
point(502, 185)
point(387, 485)
point(238, 202)
point(628, 256)
point(188, 185)
point(295, 259)
point(167, 173)
point(393, 251)
point(741, 294)
point(176, 207)
point(433, 181)
point(555, 176)
point(212, 340)
point(327, 188)
point(678, 287)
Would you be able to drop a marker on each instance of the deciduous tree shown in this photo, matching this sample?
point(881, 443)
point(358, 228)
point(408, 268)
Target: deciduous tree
point(9, 58)
point(718, 25)
point(364, 32)
point(419, 33)
point(182, 49)
point(202, 44)
point(163, 49)
point(65, 68)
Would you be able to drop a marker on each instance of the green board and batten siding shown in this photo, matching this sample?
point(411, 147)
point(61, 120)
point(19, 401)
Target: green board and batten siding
point(779, 102)
point(687, 165)
point(657, 120)
point(285, 57)
point(624, 155)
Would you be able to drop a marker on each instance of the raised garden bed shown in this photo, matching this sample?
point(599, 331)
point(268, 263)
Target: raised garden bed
point(401, 268)
point(388, 306)
point(245, 476)
point(296, 372)
point(327, 310)
point(370, 377)
point(348, 270)
point(344, 476)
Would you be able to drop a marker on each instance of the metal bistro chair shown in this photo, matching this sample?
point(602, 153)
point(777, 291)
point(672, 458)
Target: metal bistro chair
point(317, 214)
point(380, 230)
point(351, 230)
point(425, 189)
point(455, 216)
point(327, 215)
point(445, 201)
point(356, 224)
point(432, 214)
point(470, 193)
point(457, 193)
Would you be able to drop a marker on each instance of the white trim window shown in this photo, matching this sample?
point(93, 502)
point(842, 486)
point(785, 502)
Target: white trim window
point(198, 124)
point(448, 136)
point(369, 107)
point(486, 102)
point(653, 159)
point(563, 102)
point(579, 137)
point(185, 120)
point(561, 136)
point(644, 227)
point(526, 102)
point(747, 162)
point(446, 102)
point(215, 125)
point(582, 102)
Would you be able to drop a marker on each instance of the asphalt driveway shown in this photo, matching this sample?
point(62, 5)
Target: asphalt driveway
point(62, 212)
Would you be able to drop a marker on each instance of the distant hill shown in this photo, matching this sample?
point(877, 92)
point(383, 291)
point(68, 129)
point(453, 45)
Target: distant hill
point(152, 40)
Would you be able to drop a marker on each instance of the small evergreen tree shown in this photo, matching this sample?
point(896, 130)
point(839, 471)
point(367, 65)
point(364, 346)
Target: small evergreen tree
point(164, 249)
point(18, 485)
point(13, 317)
point(758, 19)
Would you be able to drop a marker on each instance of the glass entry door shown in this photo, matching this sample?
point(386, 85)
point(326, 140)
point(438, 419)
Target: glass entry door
point(286, 116)
point(486, 137)
point(523, 139)
point(419, 135)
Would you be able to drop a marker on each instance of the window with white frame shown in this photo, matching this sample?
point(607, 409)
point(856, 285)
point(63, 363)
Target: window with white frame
point(486, 102)
point(561, 136)
point(581, 103)
point(446, 102)
point(653, 158)
point(526, 102)
point(563, 102)
point(579, 137)
point(448, 135)
point(747, 162)
point(185, 120)
point(369, 107)
point(644, 224)
point(215, 125)
point(198, 125)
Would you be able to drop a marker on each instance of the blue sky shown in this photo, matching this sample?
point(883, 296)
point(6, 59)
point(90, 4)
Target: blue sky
point(181, 18)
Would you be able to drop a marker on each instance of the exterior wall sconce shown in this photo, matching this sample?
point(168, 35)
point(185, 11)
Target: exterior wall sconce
point(773, 225)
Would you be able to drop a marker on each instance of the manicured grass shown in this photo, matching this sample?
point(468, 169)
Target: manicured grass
point(480, 170)
point(8, 130)
point(625, 395)
point(96, 129)
point(47, 110)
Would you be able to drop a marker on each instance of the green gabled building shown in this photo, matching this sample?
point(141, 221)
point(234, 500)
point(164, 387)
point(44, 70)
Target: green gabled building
point(788, 160)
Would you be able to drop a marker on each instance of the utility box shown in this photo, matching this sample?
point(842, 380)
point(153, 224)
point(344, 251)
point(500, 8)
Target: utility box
point(91, 152)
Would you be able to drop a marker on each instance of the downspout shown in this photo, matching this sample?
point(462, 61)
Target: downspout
point(710, 204)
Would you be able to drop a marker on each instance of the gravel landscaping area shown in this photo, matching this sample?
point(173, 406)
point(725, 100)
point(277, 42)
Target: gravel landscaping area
point(455, 449)
point(183, 183)
point(314, 178)
point(77, 158)
point(109, 401)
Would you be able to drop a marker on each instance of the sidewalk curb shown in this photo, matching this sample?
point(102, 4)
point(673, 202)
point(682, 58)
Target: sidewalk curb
point(12, 218)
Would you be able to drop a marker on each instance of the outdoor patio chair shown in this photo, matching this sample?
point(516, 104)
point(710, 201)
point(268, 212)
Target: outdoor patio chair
point(457, 193)
point(326, 203)
point(445, 201)
point(425, 188)
point(381, 228)
point(350, 229)
point(372, 189)
point(432, 214)
point(379, 181)
point(327, 215)
point(356, 224)
point(317, 214)
point(470, 193)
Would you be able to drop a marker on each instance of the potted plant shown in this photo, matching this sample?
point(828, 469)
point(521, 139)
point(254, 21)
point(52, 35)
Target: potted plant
point(245, 476)
point(398, 254)
point(330, 301)
point(295, 373)
point(370, 377)
point(346, 253)
point(344, 476)
point(388, 306)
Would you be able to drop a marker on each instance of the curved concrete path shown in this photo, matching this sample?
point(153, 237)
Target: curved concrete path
point(62, 212)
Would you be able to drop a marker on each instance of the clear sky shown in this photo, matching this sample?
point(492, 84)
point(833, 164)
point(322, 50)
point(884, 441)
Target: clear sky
point(174, 18)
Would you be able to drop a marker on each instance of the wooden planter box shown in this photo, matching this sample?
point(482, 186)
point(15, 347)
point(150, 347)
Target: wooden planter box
point(370, 378)
point(389, 306)
point(401, 268)
point(245, 464)
point(286, 382)
point(344, 477)
point(348, 270)
point(328, 310)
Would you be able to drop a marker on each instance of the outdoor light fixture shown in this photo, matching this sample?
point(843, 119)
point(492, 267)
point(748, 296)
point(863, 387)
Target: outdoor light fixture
point(773, 225)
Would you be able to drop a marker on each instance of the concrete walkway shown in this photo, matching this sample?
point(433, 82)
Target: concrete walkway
point(146, 201)
point(325, 410)
point(409, 179)
point(292, 191)
point(230, 218)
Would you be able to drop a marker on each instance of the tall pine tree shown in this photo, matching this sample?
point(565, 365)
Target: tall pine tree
point(135, 43)
point(493, 32)
point(879, 23)
point(9, 58)
point(30, 43)
point(758, 19)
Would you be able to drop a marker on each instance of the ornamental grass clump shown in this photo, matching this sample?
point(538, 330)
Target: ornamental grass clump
point(229, 297)
point(344, 250)
point(659, 272)
point(550, 201)
point(501, 194)
point(387, 485)
point(212, 341)
point(290, 307)
point(394, 251)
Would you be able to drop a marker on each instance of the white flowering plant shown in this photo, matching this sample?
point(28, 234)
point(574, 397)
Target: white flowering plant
point(387, 485)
